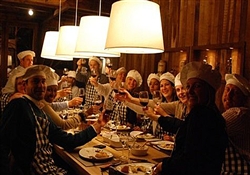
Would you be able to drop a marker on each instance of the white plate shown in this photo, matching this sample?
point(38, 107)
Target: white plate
point(121, 127)
point(90, 153)
point(145, 136)
point(145, 166)
point(166, 145)
point(135, 133)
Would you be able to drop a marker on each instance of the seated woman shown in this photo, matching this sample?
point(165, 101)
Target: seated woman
point(201, 138)
point(15, 92)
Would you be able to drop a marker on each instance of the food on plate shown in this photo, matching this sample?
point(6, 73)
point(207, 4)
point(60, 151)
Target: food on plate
point(167, 146)
point(101, 154)
point(145, 136)
point(121, 127)
point(168, 138)
point(133, 169)
point(125, 169)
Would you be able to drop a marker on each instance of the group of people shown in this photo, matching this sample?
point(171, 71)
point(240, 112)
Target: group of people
point(206, 141)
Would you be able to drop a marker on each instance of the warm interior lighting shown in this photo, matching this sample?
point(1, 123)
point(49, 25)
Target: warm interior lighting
point(50, 43)
point(67, 42)
point(135, 27)
point(92, 37)
point(30, 12)
point(50, 46)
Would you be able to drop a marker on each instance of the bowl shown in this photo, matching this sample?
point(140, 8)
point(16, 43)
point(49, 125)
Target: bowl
point(139, 150)
point(114, 141)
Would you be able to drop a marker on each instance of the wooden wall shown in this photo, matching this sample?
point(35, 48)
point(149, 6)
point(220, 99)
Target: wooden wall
point(191, 26)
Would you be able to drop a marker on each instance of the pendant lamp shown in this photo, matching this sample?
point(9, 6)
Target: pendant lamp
point(50, 44)
point(92, 36)
point(135, 27)
point(67, 40)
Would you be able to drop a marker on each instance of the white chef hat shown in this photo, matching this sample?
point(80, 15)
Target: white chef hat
point(201, 71)
point(36, 70)
point(151, 76)
point(177, 81)
point(52, 79)
point(94, 58)
point(72, 74)
point(23, 54)
point(121, 69)
point(135, 75)
point(238, 81)
point(167, 76)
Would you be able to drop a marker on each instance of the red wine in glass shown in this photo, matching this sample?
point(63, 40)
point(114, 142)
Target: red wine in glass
point(112, 78)
point(144, 103)
point(116, 91)
point(109, 65)
point(93, 73)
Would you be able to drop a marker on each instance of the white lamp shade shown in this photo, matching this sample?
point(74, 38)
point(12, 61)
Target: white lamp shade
point(50, 45)
point(67, 42)
point(135, 27)
point(92, 37)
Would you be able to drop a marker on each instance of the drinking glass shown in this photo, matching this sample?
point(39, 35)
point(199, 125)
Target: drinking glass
point(112, 75)
point(144, 98)
point(109, 65)
point(81, 94)
point(93, 73)
point(65, 71)
point(97, 100)
point(157, 97)
point(124, 142)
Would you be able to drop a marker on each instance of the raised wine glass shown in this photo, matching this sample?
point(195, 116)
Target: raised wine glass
point(93, 73)
point(81, 94)
point(97, 100)
point(157, 97)
point(112, 75)
point(144, 98)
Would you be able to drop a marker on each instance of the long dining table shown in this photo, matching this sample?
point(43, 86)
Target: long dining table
point(81, 166)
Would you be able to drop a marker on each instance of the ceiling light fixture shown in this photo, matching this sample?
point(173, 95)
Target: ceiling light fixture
point(67, 40)
point(50, 43)
point(30, 12)
point(135, 27)
point(92, 36)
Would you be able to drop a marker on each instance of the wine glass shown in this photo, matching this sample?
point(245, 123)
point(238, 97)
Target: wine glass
point(93, 73)
point(112, 75)
point(124, 141)
point(109, 65)
point(157, 97)
point(97, 100)
point(144, 98)
point(81, 93)
point(65, 71)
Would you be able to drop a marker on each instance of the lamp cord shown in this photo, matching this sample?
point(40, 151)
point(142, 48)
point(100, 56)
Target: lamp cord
point(76, 12)
point(59, 16)
point(100, 7)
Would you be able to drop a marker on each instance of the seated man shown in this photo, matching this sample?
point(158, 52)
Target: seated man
point(237, 114)
point(27, 134)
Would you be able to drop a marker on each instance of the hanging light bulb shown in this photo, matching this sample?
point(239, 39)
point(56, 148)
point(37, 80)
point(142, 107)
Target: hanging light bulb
point(92, 36)
point(50, 44)
point(135, 27)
